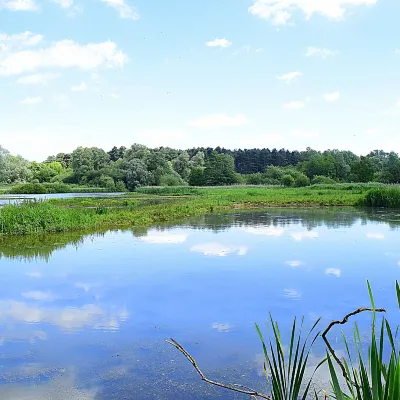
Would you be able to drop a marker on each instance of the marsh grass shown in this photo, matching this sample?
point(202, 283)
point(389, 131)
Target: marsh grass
point(372, 377)
point(388, 197)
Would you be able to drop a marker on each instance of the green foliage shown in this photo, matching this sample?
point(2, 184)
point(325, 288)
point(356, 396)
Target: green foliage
point(373, 378)
point(29, 188)
point(120, 186)
point(286, 375)
point(363, 170)
point(301, 180)
point(323, 180)
point(287, 180)
point(171, 180)
point(196, 177)
point(220, 170)
point(388, 197)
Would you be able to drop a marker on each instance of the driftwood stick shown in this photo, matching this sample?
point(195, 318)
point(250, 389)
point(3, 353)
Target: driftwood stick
point(342, 322)
point(236, 388)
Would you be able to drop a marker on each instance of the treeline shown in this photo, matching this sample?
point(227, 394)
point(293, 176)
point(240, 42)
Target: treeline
point(122, 169)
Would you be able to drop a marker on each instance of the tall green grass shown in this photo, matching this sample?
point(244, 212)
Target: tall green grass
point(388, 197)
point(47, 188)
point(286, 374)
point(374, 377)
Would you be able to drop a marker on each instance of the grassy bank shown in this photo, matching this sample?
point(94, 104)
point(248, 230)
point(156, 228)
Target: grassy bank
point(152, 206)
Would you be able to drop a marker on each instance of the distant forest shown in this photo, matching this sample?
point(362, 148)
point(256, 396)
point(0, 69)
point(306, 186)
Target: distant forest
point(124, 168)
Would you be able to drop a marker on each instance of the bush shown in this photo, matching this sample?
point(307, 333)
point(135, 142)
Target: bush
point(287, 180)
point(301, 180)
point(323, 180)
point(29, 188)
point(107, 182)
point(120, 186)
point(171, 180)
point(255, 179)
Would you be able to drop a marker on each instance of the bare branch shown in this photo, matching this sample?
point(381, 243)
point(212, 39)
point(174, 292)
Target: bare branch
point(342, 322)
point(236, 388)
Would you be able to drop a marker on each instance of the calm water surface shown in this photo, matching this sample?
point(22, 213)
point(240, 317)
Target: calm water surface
point(86, 316)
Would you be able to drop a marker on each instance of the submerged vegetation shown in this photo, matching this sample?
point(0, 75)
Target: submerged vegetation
point(156, 205)
point(373, 374)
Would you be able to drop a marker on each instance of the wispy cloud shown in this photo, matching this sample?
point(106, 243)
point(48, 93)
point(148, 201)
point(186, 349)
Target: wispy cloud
point(82, 87)
point(219, 43)
point(215, 121)
point(124, 10)
point(333, 271)
point(19, 5)
point(299, 236)
point(331, 97)
point(265, 231)
point(38, 79)
point(290, 76)
point(221, 327)
point(63, 54)
point(373, 235)
point(165, 238)
point(31, 100)
point(320, 52)
point(295, 263)
point(279, 12)
point(294, 105)
point(218, 250)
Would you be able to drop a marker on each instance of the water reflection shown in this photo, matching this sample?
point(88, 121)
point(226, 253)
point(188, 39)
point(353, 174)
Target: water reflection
point(267, 223)
point(88, 314)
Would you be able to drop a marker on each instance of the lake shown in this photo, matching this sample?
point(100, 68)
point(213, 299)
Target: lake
point(85, 316)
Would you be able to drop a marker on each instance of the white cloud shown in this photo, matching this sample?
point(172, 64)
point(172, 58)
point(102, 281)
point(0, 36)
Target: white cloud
point(65, 318)
point(62, 54)
point(24, 39)
point(218, 250)
point(39, 295)
point(295, 263)
point(289, 76)
point(164, 238)
point(378, 236)
point(398, 104)
point(219, 43)
point(64, 3)
point(115, 96)
point(34, 274)
point(294, 105)
point(38, 79)
point(214, 121)
point(320, 52)
point(279, 12)
point(124, 10)
point(265, 231)
point(292, 294)
point(299, 236)
point(79, 88)
point(31, 100)
point(221, 327)
point(84, 286)
point(333, 271)
point(18, 5)
point(95, 76)
point(62, 101)
point(299, 134)
point(335, 96)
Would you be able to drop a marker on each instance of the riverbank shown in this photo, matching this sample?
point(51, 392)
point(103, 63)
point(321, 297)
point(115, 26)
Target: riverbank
point(152, 206)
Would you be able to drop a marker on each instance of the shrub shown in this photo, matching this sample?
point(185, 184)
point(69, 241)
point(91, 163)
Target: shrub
point(196, 177)
point(120, 186)
point(323, 180)
point(288, 180)
point(29, 188)
point(171, 180)
point(301, 180)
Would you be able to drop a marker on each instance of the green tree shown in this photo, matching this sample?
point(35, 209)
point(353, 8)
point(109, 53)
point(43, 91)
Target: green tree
point(220, 170)
point(137, 174)
point(196, 177)
point(181, 165)
point(363, 170)
point(198, 160)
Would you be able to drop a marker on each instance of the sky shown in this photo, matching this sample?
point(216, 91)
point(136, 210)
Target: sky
point(232, 73)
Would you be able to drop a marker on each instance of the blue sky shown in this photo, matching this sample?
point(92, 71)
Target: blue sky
point(237, 73)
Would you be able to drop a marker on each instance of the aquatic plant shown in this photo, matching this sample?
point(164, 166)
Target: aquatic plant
point(387, 196)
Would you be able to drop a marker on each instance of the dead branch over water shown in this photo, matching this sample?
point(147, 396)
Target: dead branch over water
point(254, 394)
